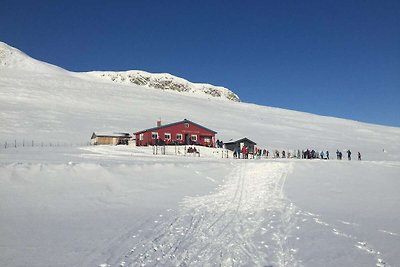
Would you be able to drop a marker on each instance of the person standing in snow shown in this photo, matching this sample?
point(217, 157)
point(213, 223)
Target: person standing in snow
point(359, 156)
point(238, 152)
point(322, 155)
point(244, 152)
point(327, 154)
point(348, 154)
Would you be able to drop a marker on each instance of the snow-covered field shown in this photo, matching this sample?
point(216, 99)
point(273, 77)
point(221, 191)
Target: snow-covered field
point(123, 206)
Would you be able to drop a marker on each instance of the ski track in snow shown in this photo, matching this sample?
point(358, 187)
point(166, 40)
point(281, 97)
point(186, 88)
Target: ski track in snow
point(246, 222)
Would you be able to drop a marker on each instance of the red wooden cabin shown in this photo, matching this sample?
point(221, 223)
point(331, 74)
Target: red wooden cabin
point(181, 133)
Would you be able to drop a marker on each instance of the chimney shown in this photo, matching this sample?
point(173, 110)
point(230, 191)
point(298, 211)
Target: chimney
point(159, 123)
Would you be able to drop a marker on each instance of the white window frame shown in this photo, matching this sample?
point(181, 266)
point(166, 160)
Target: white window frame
point(141, 137)
point(179, 137)
point(207, 139)
point(154, 134)
point(193, 137)
point(186, 125)
point(167, 134)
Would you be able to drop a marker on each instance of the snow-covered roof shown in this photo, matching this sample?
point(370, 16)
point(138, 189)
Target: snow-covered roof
point(94, 135)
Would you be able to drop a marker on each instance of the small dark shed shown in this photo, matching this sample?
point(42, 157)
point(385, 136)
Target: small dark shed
point(232, 145)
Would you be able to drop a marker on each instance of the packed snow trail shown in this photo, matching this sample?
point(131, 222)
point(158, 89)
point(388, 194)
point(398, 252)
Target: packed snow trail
point(247, 221)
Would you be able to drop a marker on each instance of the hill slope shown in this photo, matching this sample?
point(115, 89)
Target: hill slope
point(67, 107)
point(12, 58)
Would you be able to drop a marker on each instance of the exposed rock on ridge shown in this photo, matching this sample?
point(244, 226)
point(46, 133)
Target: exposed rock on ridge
point(165, 81)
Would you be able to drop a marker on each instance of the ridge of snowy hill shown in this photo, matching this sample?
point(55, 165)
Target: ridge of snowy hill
point(15, 59)
point(165, 81)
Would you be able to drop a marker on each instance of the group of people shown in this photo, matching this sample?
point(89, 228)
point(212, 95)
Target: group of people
point(244, 152)
point(348, 152)
point(219, 144)
point(192, 150)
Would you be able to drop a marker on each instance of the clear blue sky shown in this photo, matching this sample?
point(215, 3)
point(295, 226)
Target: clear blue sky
point(335, 58)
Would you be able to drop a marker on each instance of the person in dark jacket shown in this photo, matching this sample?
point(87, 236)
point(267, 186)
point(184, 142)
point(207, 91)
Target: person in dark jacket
point(359, 156)
point(348, 154)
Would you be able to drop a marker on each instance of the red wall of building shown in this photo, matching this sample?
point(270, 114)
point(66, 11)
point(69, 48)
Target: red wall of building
point(184, 128)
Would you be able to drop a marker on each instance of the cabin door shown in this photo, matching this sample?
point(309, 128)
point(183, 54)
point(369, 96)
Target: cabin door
point(187, 139)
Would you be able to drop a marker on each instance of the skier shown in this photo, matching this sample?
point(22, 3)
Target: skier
point(348, 154)
point(359, 156)
point(327, 154)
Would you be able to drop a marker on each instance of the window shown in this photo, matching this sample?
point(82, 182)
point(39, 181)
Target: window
point(167, 136)
point(141, 137)
point(207, 139)
point(178, 136)
point(186, 125)
point(193, 137)
point(154, 135)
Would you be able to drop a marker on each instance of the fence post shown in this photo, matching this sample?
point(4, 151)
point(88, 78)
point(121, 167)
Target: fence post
point(15, 143)
point(5, 145)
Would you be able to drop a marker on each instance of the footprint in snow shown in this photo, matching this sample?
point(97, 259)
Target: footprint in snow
point(363, 246)
point(348, 223)
point(389, 233)
point(317, 220)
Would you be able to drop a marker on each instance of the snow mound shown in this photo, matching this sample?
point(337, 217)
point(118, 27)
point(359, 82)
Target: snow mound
point(12, 58)
point(166, 81)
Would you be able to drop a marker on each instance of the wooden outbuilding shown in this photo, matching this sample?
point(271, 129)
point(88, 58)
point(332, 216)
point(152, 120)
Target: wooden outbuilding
point(183, 132)
point(232, 145)
point(110, 139)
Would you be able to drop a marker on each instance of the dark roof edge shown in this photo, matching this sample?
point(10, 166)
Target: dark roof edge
point(175, 123)
point(244, 138)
